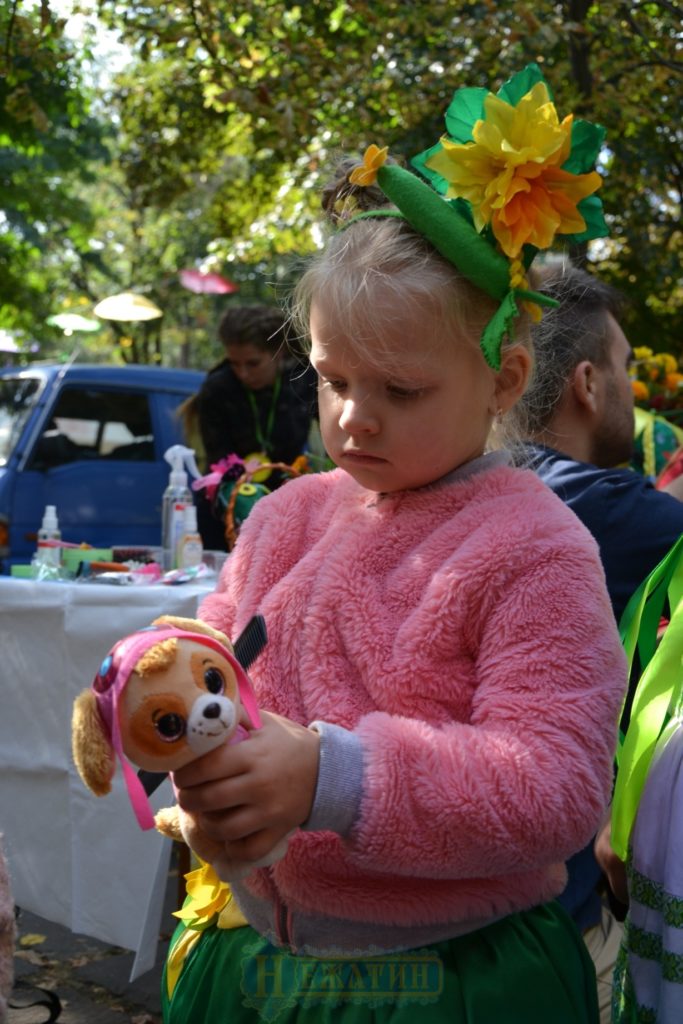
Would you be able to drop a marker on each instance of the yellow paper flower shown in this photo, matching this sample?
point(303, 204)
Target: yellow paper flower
point(209, 901)
point(366, 173)
point(642, 352)
point(512, 175)
point(207, 898)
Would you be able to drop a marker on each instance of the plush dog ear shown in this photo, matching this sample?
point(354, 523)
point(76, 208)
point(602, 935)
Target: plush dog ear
point(92, 750)
point(193, 626)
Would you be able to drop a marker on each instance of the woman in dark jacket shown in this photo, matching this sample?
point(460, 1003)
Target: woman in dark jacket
point(258, 402)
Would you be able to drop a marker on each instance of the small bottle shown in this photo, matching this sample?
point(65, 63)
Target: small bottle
point(190, 549)
point(49, 535)
point(176, 498)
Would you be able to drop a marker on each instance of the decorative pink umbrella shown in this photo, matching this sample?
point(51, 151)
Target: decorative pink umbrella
point(206, 284)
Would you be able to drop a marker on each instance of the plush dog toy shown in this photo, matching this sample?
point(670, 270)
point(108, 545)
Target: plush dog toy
point(162, 697)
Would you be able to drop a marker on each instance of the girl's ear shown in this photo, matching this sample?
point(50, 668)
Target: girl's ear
point(512, 378)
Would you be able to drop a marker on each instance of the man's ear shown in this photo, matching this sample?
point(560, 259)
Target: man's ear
point(584, 385)
point(512, 378)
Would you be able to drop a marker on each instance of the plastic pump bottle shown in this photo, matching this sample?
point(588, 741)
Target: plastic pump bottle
point(49, 534)
point(190, 551)
point(177, 497)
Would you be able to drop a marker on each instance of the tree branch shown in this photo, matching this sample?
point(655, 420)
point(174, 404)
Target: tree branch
point(673, 65)
point(579, 48)
point(10, 30)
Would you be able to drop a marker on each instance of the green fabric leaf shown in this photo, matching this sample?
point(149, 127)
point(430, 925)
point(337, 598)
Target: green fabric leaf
point(591, 210)
point(466, 107)
point(519, 85)
point(435, 179)
point(587, 140)
point(497, 328)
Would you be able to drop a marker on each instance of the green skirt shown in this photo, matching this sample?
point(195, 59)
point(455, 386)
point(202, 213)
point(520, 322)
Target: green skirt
point(529, 968)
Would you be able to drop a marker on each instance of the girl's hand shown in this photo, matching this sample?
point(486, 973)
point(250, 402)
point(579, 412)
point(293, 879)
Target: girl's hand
point(250, 795)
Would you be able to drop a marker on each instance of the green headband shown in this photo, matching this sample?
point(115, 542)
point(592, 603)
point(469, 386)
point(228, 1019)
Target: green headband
point(518, 173)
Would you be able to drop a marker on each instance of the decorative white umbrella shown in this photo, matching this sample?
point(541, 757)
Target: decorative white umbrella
point(74, 322)
point(127, 306)
point(7, 342)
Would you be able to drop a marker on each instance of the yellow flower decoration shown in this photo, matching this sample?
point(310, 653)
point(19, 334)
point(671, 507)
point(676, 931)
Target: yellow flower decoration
point(641, 392)
point(208, 898)
point(366, 173)
point(209, 901)
point(642, 352)
point(512, 175)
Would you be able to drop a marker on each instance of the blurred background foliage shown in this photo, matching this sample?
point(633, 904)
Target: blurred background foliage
point(208, 147)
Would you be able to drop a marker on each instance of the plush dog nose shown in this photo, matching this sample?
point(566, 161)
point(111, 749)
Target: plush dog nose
point(212, 710)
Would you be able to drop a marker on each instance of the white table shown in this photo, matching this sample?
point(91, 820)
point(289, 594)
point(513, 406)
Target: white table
point(75, 859)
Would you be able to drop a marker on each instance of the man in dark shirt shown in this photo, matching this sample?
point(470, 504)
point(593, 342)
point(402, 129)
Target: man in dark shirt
point(577, 417)
point(577, 420)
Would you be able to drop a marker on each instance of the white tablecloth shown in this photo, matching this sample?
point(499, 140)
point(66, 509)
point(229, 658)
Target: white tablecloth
point(75, 859)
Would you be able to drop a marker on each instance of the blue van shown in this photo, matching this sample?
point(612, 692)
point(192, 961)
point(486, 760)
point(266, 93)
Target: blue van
point(91, 441)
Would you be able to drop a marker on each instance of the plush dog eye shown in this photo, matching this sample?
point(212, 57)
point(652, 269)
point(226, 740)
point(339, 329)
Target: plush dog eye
point(214, 680)
point(170, 726)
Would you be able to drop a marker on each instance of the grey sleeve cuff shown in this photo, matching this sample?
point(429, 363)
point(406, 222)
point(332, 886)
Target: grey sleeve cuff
point(340, 781)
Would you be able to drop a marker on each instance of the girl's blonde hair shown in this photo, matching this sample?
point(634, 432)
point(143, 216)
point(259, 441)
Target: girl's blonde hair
point(376, 268)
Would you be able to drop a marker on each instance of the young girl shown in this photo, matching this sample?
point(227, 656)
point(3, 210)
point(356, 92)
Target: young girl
point(443, 674)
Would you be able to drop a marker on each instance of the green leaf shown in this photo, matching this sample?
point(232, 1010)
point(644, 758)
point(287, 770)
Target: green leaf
point(591, 210)
point(435, 179)
point(587, 140)
point(465, 109)
point(520, 84)
point(497, 328)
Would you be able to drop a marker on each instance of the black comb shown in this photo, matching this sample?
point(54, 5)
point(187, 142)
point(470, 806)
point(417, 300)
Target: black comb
point(247, 648)
point(251, 641)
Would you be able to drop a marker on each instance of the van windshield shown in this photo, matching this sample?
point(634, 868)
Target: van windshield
point(17, 397)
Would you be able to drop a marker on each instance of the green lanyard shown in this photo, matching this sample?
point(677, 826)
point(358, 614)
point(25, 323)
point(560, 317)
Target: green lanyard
point(264, 439)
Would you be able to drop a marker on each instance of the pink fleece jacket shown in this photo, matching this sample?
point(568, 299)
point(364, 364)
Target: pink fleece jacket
point(464, 634)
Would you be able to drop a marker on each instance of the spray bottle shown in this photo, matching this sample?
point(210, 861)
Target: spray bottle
point(49, 536)
point(177, 497)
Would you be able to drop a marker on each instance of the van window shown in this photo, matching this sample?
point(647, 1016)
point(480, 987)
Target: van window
point(17, 395)
point(89, 423)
